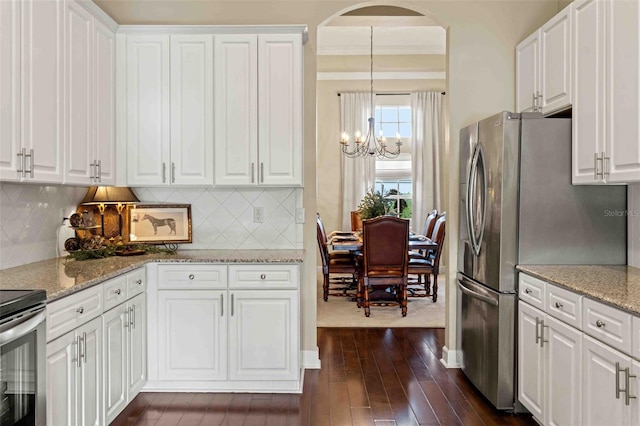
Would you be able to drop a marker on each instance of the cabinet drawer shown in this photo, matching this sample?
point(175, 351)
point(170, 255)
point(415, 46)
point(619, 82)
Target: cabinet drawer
point(608, 324)
point(564, 305)
point(136, 282)
point(115, 292)
point(192, 276)
point(532, 290)
point(263, 276)
point(72, 311)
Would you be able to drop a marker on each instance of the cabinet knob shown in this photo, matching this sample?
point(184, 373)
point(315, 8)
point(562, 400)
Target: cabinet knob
point(559, 305)
point(191, 276)
point(263, 276)
point(118, 291)
point(139, 282)
point(527, 290)
point(600, 324)
point(80, 310)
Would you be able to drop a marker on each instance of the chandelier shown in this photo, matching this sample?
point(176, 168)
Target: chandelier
point(370, 145)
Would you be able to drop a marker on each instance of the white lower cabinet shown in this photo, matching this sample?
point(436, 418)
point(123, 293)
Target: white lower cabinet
point(531, 360)
point(607, 399)
point(74, 377)
point(125, 354)
point(219, 334)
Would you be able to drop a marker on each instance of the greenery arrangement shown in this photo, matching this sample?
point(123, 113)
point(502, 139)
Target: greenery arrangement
point(372, 205)
point(113, 249)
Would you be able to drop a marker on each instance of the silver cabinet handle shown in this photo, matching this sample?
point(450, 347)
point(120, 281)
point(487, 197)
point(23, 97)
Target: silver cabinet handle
point(173, 172)
point(92, 172)
point(559, 305)
point(80, 310)
point(21, 160)
point(253, 167)
point(139, 282)
point(84, 347)
point(76, 352)
point(537, 335)
point(127, 320)
point(263, 276)
point(605, 165)
point(118, 291)
point(542, 339)
point(527, 290)
point(99, 170)
point(222, 305)
point(133, 317)
point(533, 102)
point(80, 354)
point(191, 276)
point(538, 103)
point(31, 159)
point(600, 324)
point(261, 172)
point(627, 376)
point(164, 172)
point(599, 170)
point(231, 304)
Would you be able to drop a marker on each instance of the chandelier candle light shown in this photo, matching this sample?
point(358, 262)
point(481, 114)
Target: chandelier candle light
point(370, 145)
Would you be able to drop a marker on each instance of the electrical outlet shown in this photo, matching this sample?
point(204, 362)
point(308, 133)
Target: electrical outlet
point(300, 215)
point(258, 214)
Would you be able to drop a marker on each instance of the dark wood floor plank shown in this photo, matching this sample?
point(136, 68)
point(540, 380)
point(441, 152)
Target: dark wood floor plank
point(381, 377)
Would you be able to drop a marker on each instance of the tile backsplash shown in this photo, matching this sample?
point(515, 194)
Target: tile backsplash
point(633, 206)
point(30, 216)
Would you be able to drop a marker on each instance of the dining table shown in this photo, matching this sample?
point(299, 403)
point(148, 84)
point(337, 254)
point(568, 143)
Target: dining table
point(352, 241)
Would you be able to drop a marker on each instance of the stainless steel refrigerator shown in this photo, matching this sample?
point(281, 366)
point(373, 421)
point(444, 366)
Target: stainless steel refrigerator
point(517, 206)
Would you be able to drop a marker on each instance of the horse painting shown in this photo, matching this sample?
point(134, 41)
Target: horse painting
point(171, 223)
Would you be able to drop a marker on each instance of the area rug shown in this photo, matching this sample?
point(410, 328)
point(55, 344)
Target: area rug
point(343, 312)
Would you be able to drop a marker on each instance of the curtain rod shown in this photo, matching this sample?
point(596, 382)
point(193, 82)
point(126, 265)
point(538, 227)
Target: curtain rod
point(397, 94)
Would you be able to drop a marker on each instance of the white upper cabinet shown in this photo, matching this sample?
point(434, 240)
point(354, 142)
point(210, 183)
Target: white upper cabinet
point(543, 67)
point(606, 106)
point(258, 115)
point(148, 109)
point(169, 109)
point(31, 85)
point(90, 99)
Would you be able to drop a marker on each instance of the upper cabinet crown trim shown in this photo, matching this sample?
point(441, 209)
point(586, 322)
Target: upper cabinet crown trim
point(99, 14)
point(216, 29)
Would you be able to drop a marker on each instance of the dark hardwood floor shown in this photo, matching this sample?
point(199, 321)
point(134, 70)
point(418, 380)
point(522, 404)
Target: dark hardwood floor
point(369, 376)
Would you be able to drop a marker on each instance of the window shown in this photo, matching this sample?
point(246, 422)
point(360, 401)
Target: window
point(393, 121)
point(397, 192)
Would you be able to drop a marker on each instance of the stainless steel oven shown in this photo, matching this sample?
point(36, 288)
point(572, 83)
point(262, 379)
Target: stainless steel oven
point(22, 357)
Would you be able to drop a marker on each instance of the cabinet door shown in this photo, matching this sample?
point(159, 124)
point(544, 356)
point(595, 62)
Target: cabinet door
point(555, 62)
point(531, 360)
point(263, 335)
point(137, 358)
point(104, 103)
point(79, 100)
point(62, 367)
point(527, 72)
point(147, 109)
point(623, 90)
point(10, 91)
point(280, 109)
point(115, 325)
point(599, 402)
point(236, 109)
point(192, 337)
point(90, 374)
point(635, 391)
point(588, 26)
point(192, 110)
point(42, 87)
point(563, 404)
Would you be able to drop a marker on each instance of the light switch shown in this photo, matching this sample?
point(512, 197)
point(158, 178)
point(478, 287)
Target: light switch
point(258, 214)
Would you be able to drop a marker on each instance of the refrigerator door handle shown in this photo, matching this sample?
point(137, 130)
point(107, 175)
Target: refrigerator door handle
point(477, 159)
point(470, 199)
point(475, 295)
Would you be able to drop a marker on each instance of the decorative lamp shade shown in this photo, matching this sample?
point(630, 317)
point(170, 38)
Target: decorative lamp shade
point(109, 195)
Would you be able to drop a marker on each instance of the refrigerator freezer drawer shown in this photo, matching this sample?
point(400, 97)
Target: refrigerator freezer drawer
point(487, 324)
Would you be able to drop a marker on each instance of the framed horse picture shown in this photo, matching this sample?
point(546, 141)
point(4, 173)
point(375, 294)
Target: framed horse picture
point(160, 223)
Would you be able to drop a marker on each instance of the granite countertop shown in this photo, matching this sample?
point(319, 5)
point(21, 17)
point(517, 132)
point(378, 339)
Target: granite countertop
point(616, 285)
point(63, 276)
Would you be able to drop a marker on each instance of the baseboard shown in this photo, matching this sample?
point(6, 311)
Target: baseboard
point(451, 358)
point(311, 359)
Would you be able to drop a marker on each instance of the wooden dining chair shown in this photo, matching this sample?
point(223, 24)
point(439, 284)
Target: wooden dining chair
point(431, 265)
point(385, 256)
point(356, 221)
point(335, 262)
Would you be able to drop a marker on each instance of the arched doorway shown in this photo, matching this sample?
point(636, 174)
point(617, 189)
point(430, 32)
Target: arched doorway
point(409, 55)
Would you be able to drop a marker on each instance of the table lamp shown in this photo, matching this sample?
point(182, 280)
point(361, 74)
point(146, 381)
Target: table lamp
point(103, 195)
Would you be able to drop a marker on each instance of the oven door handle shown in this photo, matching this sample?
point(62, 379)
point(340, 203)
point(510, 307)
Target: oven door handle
point(25, 326)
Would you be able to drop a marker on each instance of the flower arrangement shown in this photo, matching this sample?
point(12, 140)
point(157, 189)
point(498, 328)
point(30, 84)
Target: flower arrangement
point(372, 205)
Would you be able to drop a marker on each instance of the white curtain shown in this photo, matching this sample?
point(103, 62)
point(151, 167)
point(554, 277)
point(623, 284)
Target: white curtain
point(426, 120)
point(358, 174)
